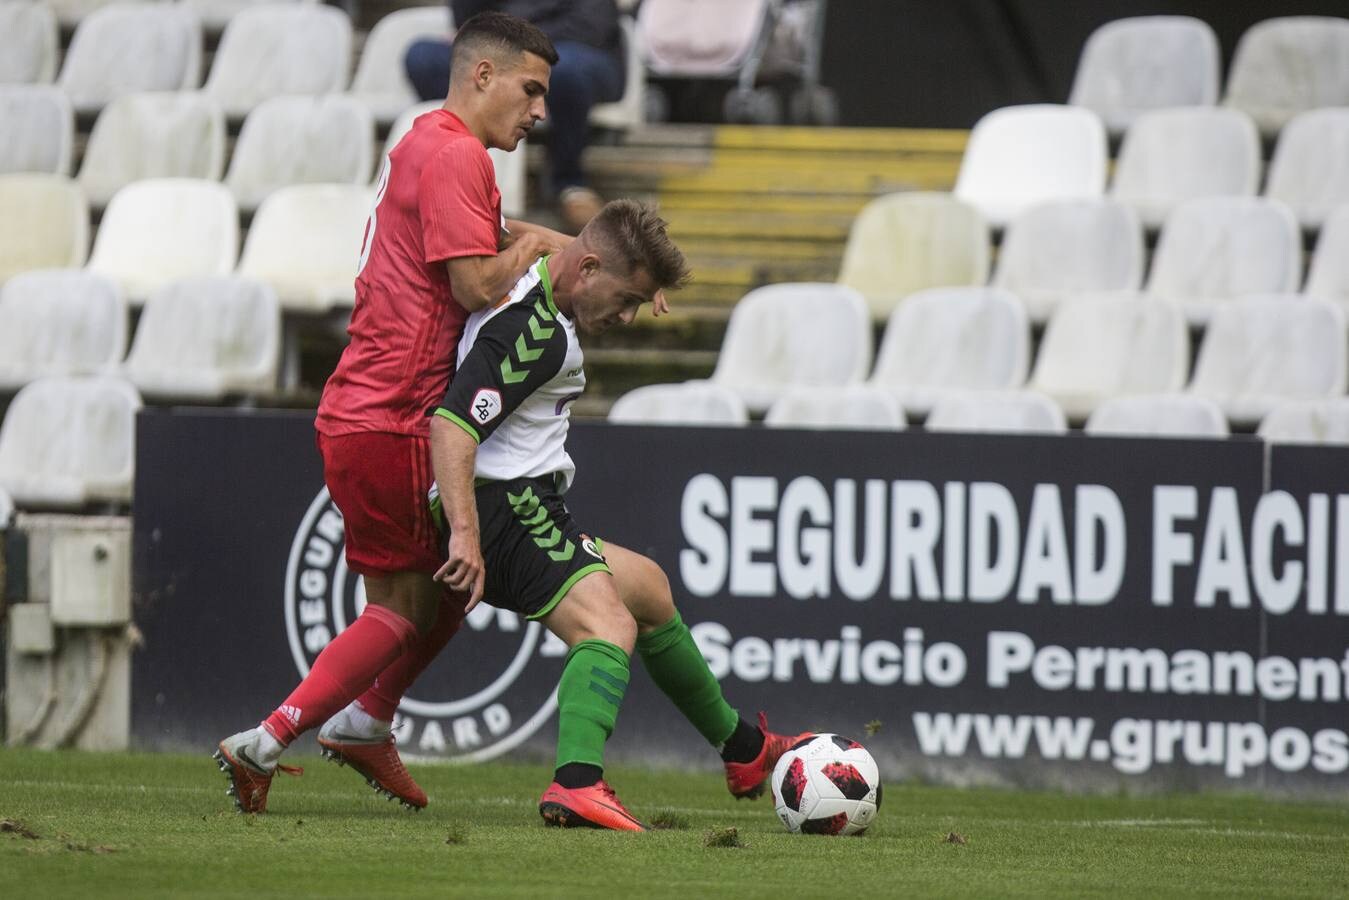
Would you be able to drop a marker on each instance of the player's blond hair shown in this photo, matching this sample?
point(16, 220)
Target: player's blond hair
point(634, 236)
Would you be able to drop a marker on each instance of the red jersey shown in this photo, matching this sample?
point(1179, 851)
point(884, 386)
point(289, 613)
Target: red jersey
point(436, 200)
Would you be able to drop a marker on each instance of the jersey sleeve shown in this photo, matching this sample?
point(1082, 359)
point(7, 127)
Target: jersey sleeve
point(515, 353)
point(457, 202)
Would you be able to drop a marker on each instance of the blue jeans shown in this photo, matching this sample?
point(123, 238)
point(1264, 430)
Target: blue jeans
point(582, 77)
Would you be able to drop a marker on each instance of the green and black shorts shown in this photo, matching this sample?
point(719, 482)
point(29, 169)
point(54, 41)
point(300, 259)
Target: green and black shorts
point(532, 548)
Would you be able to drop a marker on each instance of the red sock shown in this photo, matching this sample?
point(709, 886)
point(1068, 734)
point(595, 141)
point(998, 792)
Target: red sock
point(383, 697)
point(344, 669)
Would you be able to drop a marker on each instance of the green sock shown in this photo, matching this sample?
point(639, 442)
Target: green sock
point(594, 680)
point(677, 667)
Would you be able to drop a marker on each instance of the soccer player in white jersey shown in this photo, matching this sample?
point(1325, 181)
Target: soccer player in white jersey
point(501, 468)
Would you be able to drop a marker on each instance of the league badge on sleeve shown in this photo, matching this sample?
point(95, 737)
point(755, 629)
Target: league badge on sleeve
point(486, 405)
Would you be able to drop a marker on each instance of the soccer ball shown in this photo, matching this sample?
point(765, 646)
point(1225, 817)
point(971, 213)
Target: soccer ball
point(826, 784)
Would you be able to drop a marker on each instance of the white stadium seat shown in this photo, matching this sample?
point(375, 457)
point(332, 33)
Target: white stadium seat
point(1307, 422)
point(162, 229)
point(857, 407)
point(510, 167)
point(1328, 274)
point(207, 338)
point(305, 242)
point(1286, 65)
point(1004, 411)
point(906, 242)
point(44, 223)
point(37, 129)
point(686, 403)
point(1173, 155)
point(1065, 247)
point(130, 47)
point(1098, 347)
point(1019, 156)
point(70, 442)
point(59, 322)
point(177, 134)
point(403, 124)
point(381, 80)
point(946, 340)
point(216, 14)
point(1158, 415)
point(1216, 248)
point(510, 173)
point(301, 140)
point(274, 49)
point(28, 42)
point(786, 335)
point(1310, 168)
point(627, 111)
point(1134, 65)
point(1261, 351)
point(70, 13)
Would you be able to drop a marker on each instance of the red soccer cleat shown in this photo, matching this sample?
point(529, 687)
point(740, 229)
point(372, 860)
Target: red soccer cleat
point(596, 806)
point(746, 779)
point(249, 779)
point(378, 762)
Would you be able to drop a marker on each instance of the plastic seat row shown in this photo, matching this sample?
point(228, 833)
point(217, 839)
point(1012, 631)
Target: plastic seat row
point(304, 240)
point(943, 342)
point(867, 408)
point(285, 140)
point(1282, 66)
point(1019, 156)
point(1211, 249)
point(267, 50)
point(202, 338)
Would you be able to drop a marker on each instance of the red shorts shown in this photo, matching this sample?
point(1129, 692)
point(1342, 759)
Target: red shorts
point(379, 482)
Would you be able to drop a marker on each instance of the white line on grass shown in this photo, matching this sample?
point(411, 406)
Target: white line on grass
point(1137, 823)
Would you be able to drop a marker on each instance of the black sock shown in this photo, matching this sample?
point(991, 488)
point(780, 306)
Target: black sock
point(577, 775)
point(744, 743)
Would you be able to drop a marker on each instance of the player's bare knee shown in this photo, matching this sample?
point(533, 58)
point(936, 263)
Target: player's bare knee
point(612, 622)
point(653, 604)
point(413, 596)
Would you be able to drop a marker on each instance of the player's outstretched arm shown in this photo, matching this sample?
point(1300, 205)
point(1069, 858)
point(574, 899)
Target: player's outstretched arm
point(453, 453)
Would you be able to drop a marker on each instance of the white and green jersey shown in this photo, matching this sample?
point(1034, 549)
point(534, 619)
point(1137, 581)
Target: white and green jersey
point(519, 370)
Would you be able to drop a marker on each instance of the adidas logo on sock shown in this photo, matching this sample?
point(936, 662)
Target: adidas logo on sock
point(292, 714)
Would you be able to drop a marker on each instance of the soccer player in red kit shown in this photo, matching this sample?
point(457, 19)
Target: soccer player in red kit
point(436, 247)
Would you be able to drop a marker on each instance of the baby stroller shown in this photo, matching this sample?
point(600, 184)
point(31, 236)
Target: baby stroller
point(742, 41)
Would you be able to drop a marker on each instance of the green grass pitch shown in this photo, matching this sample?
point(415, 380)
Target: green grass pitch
point(141, 825)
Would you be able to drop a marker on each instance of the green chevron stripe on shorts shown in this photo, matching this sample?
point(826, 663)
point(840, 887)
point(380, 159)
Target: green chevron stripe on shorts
point(535, 518)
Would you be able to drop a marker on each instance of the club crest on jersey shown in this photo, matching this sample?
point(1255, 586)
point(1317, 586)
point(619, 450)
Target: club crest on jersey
point(492, 689)
point(486, 405)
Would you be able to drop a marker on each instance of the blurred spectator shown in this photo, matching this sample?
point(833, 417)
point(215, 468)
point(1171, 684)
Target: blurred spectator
point(589, 70)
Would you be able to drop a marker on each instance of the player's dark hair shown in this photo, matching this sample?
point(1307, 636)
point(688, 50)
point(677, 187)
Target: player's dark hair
point(636, 236)
point(499, 36)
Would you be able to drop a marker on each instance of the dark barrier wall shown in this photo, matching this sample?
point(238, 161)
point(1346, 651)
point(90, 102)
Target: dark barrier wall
point(1067, 611)
point(927, 64)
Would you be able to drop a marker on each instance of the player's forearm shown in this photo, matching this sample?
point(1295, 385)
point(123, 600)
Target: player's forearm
point(554, 239)
point(479, 281)
point(453, 455)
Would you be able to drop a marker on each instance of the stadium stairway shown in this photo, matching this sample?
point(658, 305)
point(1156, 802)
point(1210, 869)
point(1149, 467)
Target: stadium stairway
point(749, 206)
